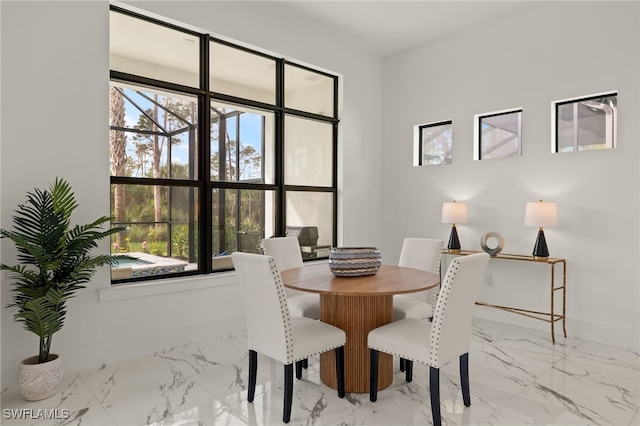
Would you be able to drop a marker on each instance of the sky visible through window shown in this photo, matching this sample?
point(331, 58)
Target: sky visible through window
point(250, 130)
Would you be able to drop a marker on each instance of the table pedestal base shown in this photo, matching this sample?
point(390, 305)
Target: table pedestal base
point(356, 315)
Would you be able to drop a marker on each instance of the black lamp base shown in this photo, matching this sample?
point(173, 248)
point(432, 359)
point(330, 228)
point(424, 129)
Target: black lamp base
point(540, 250)
point(454, 242)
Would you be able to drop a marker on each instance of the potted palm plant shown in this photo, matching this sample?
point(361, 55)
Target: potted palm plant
point(55, 261)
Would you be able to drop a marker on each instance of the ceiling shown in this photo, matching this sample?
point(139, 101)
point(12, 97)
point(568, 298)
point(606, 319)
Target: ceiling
point(389, 27)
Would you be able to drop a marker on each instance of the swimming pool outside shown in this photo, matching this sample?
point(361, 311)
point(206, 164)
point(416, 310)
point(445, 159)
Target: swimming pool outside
point(146, 265)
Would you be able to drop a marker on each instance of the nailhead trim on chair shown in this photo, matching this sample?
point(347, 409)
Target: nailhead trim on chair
point(438, 315)
point(284, 309)
point(436, 290)
point(436, 326)
point(387, 351)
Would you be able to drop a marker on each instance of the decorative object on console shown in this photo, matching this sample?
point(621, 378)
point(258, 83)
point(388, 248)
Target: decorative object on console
point(541, 214)
point(354, 261)
point(454, 213)
point(498, 248)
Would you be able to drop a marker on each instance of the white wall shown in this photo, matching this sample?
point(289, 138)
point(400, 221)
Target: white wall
point(55, 72)
point(55, 123)
point(549, 52)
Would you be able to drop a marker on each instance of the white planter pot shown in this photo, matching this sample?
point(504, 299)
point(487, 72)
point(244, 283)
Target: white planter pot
point(40, 381)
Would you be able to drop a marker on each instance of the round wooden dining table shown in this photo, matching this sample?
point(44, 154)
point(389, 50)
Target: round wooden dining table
point(357, 305)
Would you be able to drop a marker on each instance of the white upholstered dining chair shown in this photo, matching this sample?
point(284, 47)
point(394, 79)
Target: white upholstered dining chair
point(439, 342)
point(424, 254)
point(273, 332)
point(286, 251)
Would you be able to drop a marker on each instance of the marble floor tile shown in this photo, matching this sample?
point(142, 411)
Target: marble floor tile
point(198, 358)
point(120, 379)
point(517, 377)
point(74, 399)
point(540, 405)
point(166, 404)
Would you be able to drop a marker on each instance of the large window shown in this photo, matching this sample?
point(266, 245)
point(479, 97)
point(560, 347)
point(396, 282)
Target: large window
point(214, 147)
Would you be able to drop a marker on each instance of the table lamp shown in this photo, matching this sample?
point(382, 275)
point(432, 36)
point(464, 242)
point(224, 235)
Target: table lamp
point(541, 214)
point(454, 213)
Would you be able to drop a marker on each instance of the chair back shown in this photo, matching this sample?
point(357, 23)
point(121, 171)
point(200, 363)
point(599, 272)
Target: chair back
point(451, 327)
point(424, 254)
point(285, 250)
point(265, 306)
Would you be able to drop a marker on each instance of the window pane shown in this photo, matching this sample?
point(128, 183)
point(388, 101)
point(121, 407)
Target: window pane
point(162, 228)
point(153, 133)
point(243, 74)
point(151, 50)
point(500, 135)
point(256, 107)
point(586, 124)
point(309, 91)
point(310, 218)
point(436, 141)
point(241, 219)
point(308, 147)
point(247, 145)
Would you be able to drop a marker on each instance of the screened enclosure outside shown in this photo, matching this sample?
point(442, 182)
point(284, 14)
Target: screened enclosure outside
point(241, 219)
point(153, 136)
point(435, 143)
point(586, 124)
point(498, 135)
point(243, 139)
point(161, 224)
point(207, 139)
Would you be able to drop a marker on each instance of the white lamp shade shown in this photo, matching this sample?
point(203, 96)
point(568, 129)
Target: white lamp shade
point(541, 214)
point(454, 212)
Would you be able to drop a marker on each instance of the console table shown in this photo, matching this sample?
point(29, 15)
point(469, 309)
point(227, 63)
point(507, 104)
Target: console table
point(551, 317)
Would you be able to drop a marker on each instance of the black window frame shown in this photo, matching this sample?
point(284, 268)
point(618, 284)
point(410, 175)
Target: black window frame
point(479, 137)
point(203, 183)
point(556, 115)
point(421, 129)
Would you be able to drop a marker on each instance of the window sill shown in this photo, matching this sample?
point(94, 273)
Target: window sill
point(154, 288)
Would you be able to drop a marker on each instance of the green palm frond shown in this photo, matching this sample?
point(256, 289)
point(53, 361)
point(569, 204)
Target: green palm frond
point(55, 258)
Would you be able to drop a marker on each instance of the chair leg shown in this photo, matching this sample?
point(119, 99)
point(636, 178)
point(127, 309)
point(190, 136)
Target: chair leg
point(288, 392)
point(299, 365)
point(464, 379)
point(402, 364)
point(373, 374)
point(340, 369)
point(305, 363)
point(434, 390)
point(408, 375)
point(253, 368)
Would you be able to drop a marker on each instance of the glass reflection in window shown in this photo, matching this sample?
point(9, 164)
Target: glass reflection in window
point(435, 142)
point(585, 124)
point(498, 135)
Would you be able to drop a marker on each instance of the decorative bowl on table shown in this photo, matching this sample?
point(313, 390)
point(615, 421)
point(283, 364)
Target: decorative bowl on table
point(354, 261)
